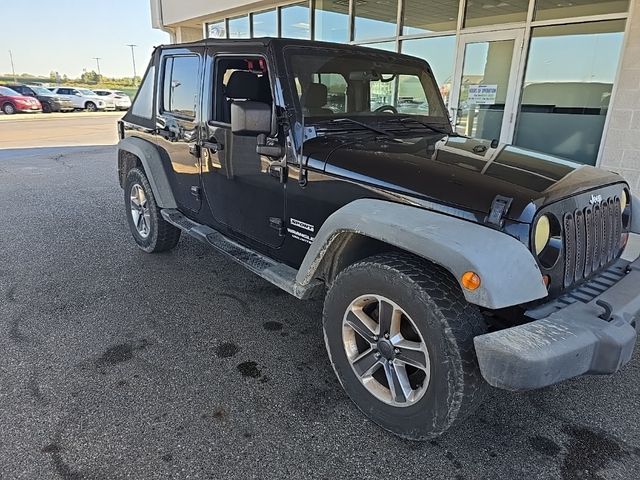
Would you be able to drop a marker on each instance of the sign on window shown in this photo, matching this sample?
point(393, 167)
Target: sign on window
point(482, 94)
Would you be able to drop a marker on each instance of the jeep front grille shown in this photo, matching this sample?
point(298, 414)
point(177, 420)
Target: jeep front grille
point(591, 238)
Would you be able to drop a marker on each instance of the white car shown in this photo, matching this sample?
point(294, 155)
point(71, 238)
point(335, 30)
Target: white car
point(120, 99)
point(84, 99)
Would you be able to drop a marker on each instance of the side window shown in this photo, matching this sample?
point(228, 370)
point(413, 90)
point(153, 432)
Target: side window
point(411, 96)
point(143, 102)
point(73, 91)
point(239, 79)
point(336, 87)
point(180, 85)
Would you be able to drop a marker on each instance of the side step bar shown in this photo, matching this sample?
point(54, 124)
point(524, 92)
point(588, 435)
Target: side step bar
point(281, 275)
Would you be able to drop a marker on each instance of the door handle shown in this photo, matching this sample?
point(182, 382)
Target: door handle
point(213, 145)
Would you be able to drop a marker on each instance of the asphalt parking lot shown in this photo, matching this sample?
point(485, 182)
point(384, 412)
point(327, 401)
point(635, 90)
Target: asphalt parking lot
point(116, 364)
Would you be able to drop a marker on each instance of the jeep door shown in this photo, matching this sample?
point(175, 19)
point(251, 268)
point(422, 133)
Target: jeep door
point(240, 186)
point(177, 119)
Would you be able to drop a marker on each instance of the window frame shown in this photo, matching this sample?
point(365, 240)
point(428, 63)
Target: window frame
point(161, 85)
point(215, 76)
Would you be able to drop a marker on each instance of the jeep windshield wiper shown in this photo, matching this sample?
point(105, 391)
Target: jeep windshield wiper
point(429, 126)
point(362, 124)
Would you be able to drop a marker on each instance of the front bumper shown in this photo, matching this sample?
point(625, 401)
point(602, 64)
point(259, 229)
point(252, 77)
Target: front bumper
point(576, 336)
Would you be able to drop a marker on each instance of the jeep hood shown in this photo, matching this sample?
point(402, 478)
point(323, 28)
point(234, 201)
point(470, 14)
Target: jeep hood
point(457, 171)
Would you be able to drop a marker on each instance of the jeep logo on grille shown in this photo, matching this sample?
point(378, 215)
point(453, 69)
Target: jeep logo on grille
point(595, 199)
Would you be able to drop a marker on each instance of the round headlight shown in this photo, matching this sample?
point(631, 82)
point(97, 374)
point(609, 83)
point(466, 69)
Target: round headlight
point(541, 234)
point(623, 200)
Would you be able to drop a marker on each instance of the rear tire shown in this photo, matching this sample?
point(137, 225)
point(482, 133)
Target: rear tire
point(151, 232)
point(8, 108)
point(428, 353)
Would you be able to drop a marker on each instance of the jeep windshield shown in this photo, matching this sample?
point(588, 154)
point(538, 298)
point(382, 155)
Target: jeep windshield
point(378, 87)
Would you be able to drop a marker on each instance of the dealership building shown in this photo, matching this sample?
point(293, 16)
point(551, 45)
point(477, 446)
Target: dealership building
point(558, 76)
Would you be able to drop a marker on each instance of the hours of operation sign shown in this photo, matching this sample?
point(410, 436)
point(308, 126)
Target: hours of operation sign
point(482, 94)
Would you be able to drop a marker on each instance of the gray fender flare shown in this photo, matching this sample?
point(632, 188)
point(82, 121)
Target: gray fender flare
point(148, 154)
point(508, 272)
point(635, 214)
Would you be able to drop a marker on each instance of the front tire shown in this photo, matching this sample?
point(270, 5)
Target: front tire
point(400, 338)
point(90, 107)
point(8, 108)
point(151, 232)
point(46, 108)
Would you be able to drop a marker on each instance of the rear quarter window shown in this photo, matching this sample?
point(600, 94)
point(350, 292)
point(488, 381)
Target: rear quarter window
point(143, 103)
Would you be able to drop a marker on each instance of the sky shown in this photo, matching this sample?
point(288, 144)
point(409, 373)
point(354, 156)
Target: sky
point(65, 35)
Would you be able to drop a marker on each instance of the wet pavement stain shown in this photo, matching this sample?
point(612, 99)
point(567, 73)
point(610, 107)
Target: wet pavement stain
point(226, 350)
point(545, 445)
point(588, 452)
point(120, 353)
point(249, 369)
point(63, 470)
point(272, 326)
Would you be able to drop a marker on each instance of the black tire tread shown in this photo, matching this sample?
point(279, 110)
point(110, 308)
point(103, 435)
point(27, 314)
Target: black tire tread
point(461, 322)
point(167, 235)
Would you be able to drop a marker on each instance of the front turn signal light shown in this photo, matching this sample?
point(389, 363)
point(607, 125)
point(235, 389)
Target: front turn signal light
point(470, 280)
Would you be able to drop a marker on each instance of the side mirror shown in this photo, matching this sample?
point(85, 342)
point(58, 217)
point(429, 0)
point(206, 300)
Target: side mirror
point(250, 118)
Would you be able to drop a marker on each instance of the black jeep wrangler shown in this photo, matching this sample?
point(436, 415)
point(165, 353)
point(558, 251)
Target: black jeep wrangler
point(448, 263)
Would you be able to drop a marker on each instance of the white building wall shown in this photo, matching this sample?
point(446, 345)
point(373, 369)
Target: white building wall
point(621, 150)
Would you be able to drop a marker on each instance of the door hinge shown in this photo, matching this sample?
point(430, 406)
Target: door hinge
point(277, 224)
point(195, 191)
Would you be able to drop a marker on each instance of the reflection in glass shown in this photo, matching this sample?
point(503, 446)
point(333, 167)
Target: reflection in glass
point(567, 88)
point(552, 9)
point(265, 24)
point(295, 21)
point(375, 19)
point(217, 30)
point(491, 12)
point(425, 16)
point(483, 90)
point(439, 52)
point(239, 27)
point(331, 21)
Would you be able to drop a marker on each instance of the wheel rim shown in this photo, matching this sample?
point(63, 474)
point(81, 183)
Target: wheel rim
point(8, 109)
point(91, 107)
point(140, 211)
point(386, 350)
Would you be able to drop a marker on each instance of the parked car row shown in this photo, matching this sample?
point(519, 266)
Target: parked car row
point(17, 98)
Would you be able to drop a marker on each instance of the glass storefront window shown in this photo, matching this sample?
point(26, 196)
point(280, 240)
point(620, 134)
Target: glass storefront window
point(426, 16)
point(239, 27)
point(295, 21)
point(567, 88)
point(375, 19)
point(331, 21)
point(439, 52)
point(552, 9)
point(388, 46)
point(492, 12)
point(265, 24)
point(217, 30)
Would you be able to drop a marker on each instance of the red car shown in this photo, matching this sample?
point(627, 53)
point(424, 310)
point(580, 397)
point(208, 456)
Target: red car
point(12, 102)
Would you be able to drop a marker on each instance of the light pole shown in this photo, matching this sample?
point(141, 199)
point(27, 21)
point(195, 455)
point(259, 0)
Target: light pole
point(97, 59)
point(13, 69)
point(133, 58)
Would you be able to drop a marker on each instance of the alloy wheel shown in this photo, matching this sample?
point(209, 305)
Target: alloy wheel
point(386, 350)
point(140, 210)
